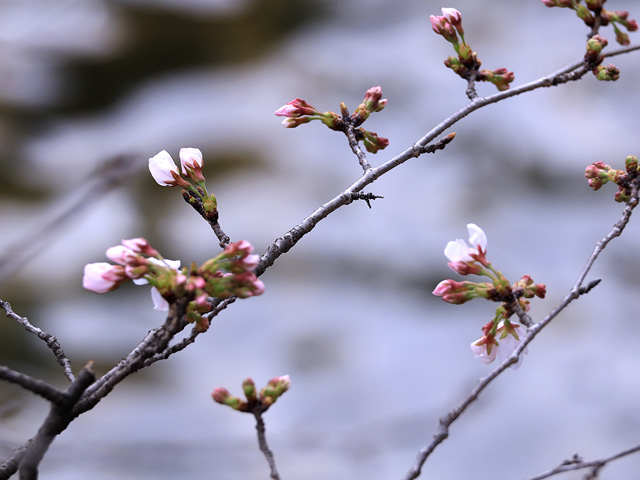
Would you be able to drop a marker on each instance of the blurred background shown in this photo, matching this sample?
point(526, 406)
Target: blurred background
point(90, 89)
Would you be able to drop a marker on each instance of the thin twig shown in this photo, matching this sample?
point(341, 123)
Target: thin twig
point(576, 291)
point(223, 238)
point(50, 340)
point(264, 447)
point(355, 148)
point(195, 332)
point(576, 463)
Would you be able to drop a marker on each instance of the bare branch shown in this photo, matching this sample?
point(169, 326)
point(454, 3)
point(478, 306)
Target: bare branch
point(50, 340)
point(262, 442)
point(56, 422)
point(442, 431)
point(157, 340)
point(576, 463)
point(12, 462)
point(34, 385)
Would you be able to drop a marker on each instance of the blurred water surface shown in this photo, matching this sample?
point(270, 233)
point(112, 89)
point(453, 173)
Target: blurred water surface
point(89, 90)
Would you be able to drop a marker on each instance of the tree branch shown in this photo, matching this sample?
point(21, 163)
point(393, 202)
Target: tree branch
point(576, 291)
point(264, 447)
point(56, 422)
point(281, 245)
point(34, 385)
point(576, 463)
point(50, 340)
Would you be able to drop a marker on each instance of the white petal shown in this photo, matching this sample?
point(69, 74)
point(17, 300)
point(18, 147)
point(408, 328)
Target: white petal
point(477, 237)
point(480, 352)
point(161, 165)
point(159, 303)
point(457, 251)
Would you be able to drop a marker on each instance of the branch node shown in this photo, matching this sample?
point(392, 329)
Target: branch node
point(367, 197)
point(587, 289)
point(432, 148)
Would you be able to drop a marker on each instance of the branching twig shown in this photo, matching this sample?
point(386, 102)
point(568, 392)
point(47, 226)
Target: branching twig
point(56, 422)
point(576, 463)
point(50, 340)
point(195, 331)
point(283, 244)
point(442, 431)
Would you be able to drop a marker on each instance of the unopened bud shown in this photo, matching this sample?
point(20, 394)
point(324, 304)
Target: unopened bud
point(500, 77)
point(249, 388)
point(275, 388)
point(594, 4)
point(373, 143)
point(584, 14)
point(608, 73)
point(631, 165)
point(594, 46)
point(221, 395)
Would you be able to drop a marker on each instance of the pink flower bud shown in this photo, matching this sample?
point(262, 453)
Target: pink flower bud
point(454, 17)
point(140, 245)
point(446, 287)
point(442, 27)
point(190, 158)
point(121, 255)
point(243, 247)
point(373, 99)
point(294, 122)
point(296, 108)
point(373, 143)
point(102, 277)
point(220, 395)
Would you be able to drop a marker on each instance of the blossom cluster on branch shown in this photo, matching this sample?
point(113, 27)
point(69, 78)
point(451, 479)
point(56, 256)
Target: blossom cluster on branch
point(472, 260)
point(466, 64)
point(228, 274)
point(298, 112)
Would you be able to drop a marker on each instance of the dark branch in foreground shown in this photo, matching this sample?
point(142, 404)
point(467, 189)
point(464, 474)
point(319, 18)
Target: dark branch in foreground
point(34, 385)
point(576, 291)
point(56, 422)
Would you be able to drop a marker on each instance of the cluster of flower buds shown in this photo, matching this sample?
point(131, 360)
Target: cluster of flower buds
point(298, 112)
point(255, 401)
point(228, 274)
point(500, 335)
point(165, 172)
point(594, 57)
point(599, 173)
point(593, 9)
point(466, 64)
